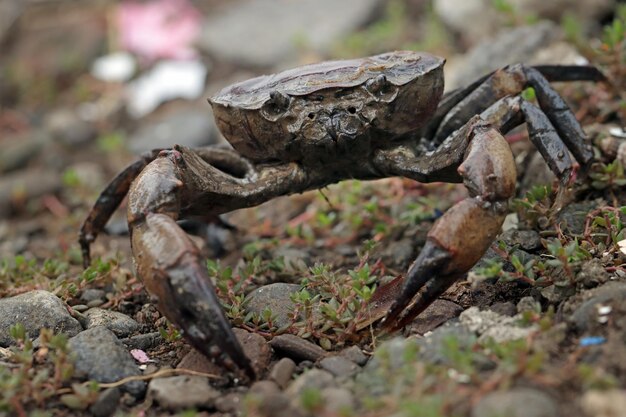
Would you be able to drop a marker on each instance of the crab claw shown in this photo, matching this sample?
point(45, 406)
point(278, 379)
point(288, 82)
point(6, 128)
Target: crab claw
point(171, 267)
point(462, 235)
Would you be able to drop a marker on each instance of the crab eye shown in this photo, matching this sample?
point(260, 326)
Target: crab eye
point(376, 84)
point(276, 106)
point(380, 88)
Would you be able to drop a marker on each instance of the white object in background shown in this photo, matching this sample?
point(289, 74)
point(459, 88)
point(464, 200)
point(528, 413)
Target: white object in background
point(168, 80)
point(115, 67)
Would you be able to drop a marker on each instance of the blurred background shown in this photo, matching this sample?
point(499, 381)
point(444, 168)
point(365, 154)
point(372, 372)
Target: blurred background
point(87, 86)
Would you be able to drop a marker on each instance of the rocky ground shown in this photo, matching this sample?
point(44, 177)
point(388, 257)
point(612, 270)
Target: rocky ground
point(536, 329)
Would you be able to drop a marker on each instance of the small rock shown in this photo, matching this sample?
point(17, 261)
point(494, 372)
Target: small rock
point(439, 312)
point(282, 371)
point(491, 325)
point(191, 128)
point(102, 357)
point(183, 391)
point(35, 310)
point(609, 403)
point(81, 308)
point(297, 348)
point(355, 354)
point(274, 404)
point(586, 316)
point(527, 240)
point(107, 402)
point(592, 274)
point(118, 323)
point(339, 366)
point(196, 361)
point(528, 304)
point(241, 34)
point(229, 403)
point(144, 341)
point(264, 388)
point(573, 216)
point(518, 402)
point(276, 297)
point(311, 379)
point(255, 348)
point(90, 294)
point(504, 308)
point(338, 400)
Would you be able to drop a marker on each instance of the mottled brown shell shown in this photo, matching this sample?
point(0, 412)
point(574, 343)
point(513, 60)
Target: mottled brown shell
point(333, 110)
point(399, 67)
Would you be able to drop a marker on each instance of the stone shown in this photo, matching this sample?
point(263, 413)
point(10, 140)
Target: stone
point(517, 402)
point(311, 379)
point(102, 357)
point(229, 403)
point(35, 310)
point(143, 341)
point(282, 371)
point(192, 128)
point(338, 400)
point(592, 274)
point(255, 348)
point(118, 323)
point(587, 315)
point(439, 312)
point(297, 347)
point(355, 354)
point(527, 240)
point(339, 366)
point(240, 34)
point(276, 297)
point(107, 402)
point(491, 325)
point(90, 294)
point(182, 392)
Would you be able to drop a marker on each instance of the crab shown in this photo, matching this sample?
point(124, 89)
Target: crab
point(315, 125)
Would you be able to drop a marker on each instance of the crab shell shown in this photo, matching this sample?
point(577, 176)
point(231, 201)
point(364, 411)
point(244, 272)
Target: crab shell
point(332, 110)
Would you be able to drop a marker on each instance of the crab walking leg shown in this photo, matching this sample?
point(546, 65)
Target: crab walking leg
point(464, 233)
point(108, 201)
point(170, 265)
point(512, 80)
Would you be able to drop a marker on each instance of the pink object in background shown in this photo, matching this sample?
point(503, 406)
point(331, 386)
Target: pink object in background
point(159, 29)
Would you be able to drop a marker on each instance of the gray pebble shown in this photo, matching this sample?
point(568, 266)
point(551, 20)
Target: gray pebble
point(118, 323)
point(297, 348)
point(90, 294)
point(277, 297)
point(35, 310)
point(311, 379)
point(102, 357)
point(355, 354)
point(282, 372)
point(183, 391)
point(339, 366)
point(143, 341)
point(107, 402)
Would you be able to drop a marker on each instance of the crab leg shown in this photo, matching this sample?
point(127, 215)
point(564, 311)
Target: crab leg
point(457, 108)
point(108, 201)
point(462, 235)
